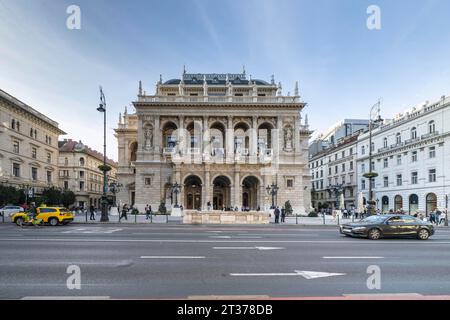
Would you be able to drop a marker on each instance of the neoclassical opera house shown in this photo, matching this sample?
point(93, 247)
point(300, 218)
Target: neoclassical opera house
point(224, 138)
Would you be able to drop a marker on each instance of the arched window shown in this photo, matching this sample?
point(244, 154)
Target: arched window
point(414, 133)
point(431, 127)
point(398, 203)
point(385, 143)
point(82, 162)
point(413, 203)
point(385, 204)
point(13, 124)
point(133, 151)
point(431, 200)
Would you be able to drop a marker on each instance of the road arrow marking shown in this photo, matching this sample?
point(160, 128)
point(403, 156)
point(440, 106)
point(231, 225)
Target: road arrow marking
point(305, 274)
point(248, 248)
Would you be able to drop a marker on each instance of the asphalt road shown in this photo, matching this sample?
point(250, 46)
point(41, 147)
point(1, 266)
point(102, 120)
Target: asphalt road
point(167, 261)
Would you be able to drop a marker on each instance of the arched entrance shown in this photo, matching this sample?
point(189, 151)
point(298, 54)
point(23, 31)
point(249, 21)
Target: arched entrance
point(431, 202)
point(169, 139)
point(193, 193)
point(250, 193)
point(221, 193)
point(398, 203)
point(385, 204)
point(264, 137)
point(413, 203)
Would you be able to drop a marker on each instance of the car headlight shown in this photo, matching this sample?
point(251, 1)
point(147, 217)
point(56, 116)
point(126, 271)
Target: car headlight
point(359, 229)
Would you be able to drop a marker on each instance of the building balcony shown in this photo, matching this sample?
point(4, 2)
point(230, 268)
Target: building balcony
point(429, 135)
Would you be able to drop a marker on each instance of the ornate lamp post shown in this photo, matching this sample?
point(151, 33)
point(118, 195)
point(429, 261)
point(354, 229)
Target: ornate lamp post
point(104, 168)
point(336, 190)
point(114, 187)
point(372, 174)
point(176, 188)
point(272, 190)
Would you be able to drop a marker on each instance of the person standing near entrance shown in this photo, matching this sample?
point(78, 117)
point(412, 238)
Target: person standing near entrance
point(283, 214)
point(277, 215)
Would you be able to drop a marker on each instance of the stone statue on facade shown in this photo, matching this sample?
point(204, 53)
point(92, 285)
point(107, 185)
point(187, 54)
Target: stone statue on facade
point(148, 138)
point(288, 135)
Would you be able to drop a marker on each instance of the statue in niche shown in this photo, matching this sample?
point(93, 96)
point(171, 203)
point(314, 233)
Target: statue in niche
point(148, 138)
point(288, 135)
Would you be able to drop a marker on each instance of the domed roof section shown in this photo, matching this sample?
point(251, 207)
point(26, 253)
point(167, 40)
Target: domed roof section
point(79, 146)
point(172, 81)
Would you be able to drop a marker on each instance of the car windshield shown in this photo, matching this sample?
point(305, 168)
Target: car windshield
point(374, 219)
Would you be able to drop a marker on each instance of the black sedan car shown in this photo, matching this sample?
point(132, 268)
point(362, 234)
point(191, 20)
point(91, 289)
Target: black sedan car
point(389, 226)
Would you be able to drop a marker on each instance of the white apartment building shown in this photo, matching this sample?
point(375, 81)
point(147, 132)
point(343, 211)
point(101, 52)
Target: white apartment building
point(411, 155)
point(333, 173)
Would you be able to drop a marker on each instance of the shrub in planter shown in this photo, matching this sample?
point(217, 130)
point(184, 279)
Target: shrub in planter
point(313, 214)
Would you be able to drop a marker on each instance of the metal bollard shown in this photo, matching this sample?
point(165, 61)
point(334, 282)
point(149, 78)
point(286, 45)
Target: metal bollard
point(337, 219)
point(323, 216)
point(296, 219)
point(86, 216)
point(167, 218)
point(3, 216)
point(135, 217)
point(151, 217)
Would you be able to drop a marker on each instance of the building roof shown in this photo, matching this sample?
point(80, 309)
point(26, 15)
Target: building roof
point(216, 79)
point(69, 145)
point(6, 96)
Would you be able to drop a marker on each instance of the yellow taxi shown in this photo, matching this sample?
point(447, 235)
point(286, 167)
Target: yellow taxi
point(50, 215)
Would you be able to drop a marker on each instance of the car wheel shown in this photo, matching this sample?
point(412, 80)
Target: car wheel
point(19, 221)
point(53, 221)
point(374, 234)
point(423, 234)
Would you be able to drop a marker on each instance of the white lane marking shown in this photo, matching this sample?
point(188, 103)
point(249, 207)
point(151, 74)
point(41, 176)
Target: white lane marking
point(235, 237)
point(66, 298)
point(353, 257)
point(93, 230)
point(379, 242)
point(248, 248)
point(172, 257)
point(305, 274)
point(220, 237)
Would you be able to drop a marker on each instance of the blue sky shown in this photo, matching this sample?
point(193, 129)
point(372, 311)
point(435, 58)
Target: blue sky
point(342, 67)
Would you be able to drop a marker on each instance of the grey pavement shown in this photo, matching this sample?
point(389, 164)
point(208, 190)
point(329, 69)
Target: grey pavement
point(152, 261)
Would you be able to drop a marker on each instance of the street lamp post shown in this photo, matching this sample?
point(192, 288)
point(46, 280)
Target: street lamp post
point(272, 190)
point(372, 174)
point(105, 168)
point(446, 211)
point(176, 188)
point(114, 187)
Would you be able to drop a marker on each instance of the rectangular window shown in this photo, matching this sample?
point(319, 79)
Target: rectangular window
point(81, 174)
point(363, 184)
point(386, 182)
point(49, 157)
point(329, 171)
point(33, 153)
point(49, 176)
point(16, 146)
point(351, 165)
point(363, 150)
point(34, 174)
point(399, 180)
point(414, 156)
point(343, 167)
point(16, 170)
point(343, 154)
point(432, 152)
point(363, 168)
point(66, 185)
point(81, 185)
point(335, 169)
point(351, 151)
point(385, 163)
point(399, 160)
point(372, 166)
point(414, 177)
point(148, 181)
point(432, 175)
point(290, 183)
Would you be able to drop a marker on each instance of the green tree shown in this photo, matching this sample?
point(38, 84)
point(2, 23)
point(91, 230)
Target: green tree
point(288, 207)
point(67, 198)
point(52, 196)
point(162, 208)
point(9, 195)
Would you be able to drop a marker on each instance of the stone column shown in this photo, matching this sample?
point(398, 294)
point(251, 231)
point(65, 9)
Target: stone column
point(157, 136)
point(254, 136)
point(229, 139)
point(206, 136)
point(237, 189)
point(207, 187)
point(181, 136)
point(296, 143)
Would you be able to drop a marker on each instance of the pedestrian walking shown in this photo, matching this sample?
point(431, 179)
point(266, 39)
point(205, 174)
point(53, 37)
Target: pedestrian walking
point(92, 210)
point(148, 211)
point(283, 214)
point(124, 212)
point(277, 215)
